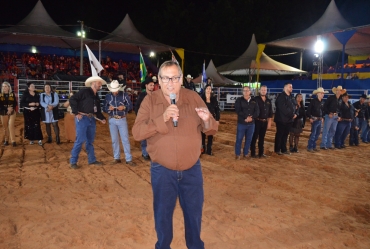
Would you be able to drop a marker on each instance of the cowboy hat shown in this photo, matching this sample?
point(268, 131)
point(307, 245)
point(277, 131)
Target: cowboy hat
point(94, 78)
point(189, 76)
point(319, 90)
point(114, 86)
point(364, 96)
point(335, 89)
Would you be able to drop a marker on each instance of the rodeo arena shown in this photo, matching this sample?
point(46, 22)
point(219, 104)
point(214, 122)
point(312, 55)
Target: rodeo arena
point(284, 163)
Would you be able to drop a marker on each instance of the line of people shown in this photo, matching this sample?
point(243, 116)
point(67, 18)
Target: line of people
point(339, 117)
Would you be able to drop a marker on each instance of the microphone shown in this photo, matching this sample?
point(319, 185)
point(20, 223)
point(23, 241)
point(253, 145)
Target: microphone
point(173, 102)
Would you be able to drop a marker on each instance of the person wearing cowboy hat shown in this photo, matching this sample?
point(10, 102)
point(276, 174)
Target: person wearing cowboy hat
point(331, 118)
point(148, 90)
point(315, 112)
point(346, 114)
point(363, 113)
point(117, 104)
point(85, 104)
point(188, 83)
point(365, 133)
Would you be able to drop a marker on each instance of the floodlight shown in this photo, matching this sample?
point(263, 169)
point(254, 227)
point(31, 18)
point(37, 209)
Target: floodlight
point(33, 50)
point(79, 33)
point(151, 54)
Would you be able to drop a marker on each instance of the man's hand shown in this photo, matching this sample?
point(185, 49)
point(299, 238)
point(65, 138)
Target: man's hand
point(111, 108)
point(295, 116)
point(203, 113)
point(103, 121)
point(248, 119)
point(78, 116)
point(311, 120)
point(330, 115)
point(171, 112)
point(121, 108)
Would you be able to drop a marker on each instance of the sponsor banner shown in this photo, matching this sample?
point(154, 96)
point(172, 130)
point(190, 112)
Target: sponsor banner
point(230, 99)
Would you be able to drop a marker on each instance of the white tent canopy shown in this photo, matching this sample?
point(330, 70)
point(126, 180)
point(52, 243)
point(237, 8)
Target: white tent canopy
point(38, 29)
point(330, 22)
point(217, 78)
point(126, 38)
point(246, 64)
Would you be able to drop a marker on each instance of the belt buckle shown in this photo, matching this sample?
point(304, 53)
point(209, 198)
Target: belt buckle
point(116, 117)
point(90, 115)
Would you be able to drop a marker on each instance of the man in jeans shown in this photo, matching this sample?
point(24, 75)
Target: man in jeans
point(149, 87)
point(117, 104)
point(247, 110)
point(331, 110)
point(174, 151)
point(315, 111)
point(85, 105)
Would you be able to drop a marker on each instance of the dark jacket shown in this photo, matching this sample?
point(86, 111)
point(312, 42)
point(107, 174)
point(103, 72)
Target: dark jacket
point(285, 108)
point(245, 109)
point(363, 109)
point(84, 101)
point(265, 107)
point(346, 112)
point(189, 85)
point(315, 108)
point(7, 100)
point(332, 104)
point(140, 99)
point(213, 107)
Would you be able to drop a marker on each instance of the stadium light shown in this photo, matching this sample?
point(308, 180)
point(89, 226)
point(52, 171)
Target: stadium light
point(151, 54)
point(319, 49)
point(319, 46)
point(82, 35)
point(34, 50)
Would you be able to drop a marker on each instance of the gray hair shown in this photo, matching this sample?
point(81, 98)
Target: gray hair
point(6, 83)
point(169, 64)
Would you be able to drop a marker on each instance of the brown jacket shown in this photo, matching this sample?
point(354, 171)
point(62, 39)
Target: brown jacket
point(176, 148)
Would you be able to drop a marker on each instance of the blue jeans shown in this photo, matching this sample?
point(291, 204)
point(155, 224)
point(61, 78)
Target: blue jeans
point(342, 132)
point(330, 126)
point(118, 128)
point(143, 144)
point(167, 185)
point(85, 132)
point(243, 130)
point(315, 133)
point(365, 131)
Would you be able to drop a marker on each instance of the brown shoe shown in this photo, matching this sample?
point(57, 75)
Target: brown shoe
point(131, 163)
point(115, 161)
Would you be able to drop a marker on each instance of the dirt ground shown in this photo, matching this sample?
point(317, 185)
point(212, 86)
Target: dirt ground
point(304, 200)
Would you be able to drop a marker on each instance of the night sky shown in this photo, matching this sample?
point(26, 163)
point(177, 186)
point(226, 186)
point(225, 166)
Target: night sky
point(218, 30)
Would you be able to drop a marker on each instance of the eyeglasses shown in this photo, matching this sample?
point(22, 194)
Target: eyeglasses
point(166, 79)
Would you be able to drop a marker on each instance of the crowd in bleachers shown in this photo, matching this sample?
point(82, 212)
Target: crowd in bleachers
point(43, 67)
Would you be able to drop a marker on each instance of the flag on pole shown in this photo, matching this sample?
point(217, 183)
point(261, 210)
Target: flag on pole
point(143, 72)
point(174, 58)
point(204, 75)
point(96, 67)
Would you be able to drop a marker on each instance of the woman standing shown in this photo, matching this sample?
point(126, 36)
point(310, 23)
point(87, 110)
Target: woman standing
point(212, 104)
point(31, 112)
point(298, 124)
point(69, 122)
point(49, 101)
point(8, 103)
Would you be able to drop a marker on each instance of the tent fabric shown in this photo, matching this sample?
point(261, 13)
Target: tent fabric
point(217, 78)
point(39, 29)
point(246, 64)
point(330, 22)
point(126, 38)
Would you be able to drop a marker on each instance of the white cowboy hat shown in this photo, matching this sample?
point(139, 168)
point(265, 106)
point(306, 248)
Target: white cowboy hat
point(335, 89)
point(92, 79)
point(114, 86)
point(319, 90)
point(189, 76)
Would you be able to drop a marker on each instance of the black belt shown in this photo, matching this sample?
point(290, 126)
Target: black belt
point(89, 115)
point(117, 117)
point(316, 118)
point(346, 119)
point(262, 119)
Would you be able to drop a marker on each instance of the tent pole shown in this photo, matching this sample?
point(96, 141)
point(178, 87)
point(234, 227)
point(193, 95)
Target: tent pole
point(343, 49)
point(99, 54)
point(300, 61)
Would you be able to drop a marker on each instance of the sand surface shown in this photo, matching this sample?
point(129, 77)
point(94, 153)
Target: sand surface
point(304, 200)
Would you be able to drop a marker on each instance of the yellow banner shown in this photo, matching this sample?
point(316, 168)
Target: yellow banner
point(261, 47)
point(181, 53)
